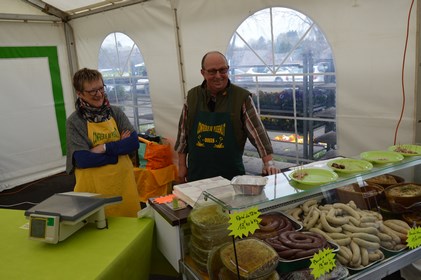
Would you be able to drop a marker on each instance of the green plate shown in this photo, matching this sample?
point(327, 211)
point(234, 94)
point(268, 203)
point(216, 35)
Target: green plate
point(349, 165)
point(381, 156)
point(313, 176)
point(406, 150)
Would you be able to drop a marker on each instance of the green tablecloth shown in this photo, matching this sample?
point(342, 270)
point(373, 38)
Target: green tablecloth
point(122, 251)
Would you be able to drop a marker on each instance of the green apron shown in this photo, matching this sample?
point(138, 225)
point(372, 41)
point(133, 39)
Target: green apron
point(213, 149)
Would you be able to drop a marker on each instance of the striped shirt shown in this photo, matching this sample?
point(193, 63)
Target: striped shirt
point(251, 123)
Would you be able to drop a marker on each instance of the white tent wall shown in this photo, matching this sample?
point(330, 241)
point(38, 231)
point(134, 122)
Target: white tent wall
point(151, 26)
point(30, 148)
point(367, 39)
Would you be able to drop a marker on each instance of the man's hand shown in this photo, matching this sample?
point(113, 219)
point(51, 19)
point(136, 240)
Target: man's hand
point(182, 174)
point(270, 170)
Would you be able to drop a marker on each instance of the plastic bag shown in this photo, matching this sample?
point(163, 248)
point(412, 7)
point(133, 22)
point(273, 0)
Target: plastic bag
point(154, 155)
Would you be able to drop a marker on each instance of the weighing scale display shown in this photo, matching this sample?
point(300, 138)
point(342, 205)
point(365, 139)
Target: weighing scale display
point(38, 226)
point(61, 215)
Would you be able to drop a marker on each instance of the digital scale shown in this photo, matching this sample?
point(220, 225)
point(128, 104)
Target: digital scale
point(62, 214)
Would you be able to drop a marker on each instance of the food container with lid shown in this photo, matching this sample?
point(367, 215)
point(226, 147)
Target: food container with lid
point(254, 258)
point(365, 197)
point(404, 197)
point(248, 184)
point(209, 217)
point(385, 180)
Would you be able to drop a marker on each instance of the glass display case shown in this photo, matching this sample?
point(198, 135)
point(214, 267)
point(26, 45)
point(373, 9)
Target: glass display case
point(282, 193)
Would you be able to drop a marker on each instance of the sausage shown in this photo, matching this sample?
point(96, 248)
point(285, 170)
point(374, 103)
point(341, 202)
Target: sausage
point(384, 236)
point(352, 228)
point(397, 226)
point(402, 236)
point(356, 254)
point(368, 219)
point(366, 244)
point(326, 226)
point(348, 209)
point(337, 235)
point(313, 216)
point(268, 223)
point(375, 256)
point(364, 256)
point(342, 260)
point(300, 240)
point(288, 254)
point(308, 204)
point(390, 232)
point(296, 213)
point(343, 241)
point(366, 236)
point(334, 220)
point(322, 233)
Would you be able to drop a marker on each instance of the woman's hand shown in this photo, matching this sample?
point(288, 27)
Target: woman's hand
point(125, 134)
point(98, 149)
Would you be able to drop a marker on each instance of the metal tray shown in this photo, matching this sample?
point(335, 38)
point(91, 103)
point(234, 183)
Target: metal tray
point(285, 265)
point(353, 270)
point(389, 253)
point(295, 224)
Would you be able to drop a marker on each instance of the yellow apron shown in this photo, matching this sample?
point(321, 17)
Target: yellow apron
point(114, 179)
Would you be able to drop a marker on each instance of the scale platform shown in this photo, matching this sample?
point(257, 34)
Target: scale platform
point(62, 214)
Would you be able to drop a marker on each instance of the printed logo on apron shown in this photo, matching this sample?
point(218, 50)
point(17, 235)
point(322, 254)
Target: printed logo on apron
point(211, 136)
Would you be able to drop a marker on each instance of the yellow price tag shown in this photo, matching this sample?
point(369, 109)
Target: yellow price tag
point(322, 262)
point(245, 222)
point(414, 237)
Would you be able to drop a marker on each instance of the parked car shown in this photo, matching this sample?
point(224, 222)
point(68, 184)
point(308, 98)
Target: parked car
point(238, 76)
point(142, 83)
point(263, 74)
point(324, 67)
point(297, 71)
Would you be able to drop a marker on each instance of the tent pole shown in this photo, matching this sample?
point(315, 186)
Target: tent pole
point(179, 51)
point(71, 51)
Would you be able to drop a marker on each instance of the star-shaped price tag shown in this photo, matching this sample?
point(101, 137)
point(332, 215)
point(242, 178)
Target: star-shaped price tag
point(322, 262)
point(245, 222)
point(414, 237)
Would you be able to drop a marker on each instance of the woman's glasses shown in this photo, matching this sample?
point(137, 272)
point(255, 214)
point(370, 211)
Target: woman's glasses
point(92, 92)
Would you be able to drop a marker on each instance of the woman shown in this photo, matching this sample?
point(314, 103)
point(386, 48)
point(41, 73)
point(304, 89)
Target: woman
point(99, 141)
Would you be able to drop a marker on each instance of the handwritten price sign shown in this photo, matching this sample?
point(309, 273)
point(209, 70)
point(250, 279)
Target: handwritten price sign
point(414, 237)
point(322, 262)
point(245, 222)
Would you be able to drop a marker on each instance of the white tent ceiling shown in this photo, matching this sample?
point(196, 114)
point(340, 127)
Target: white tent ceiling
point(66, 10)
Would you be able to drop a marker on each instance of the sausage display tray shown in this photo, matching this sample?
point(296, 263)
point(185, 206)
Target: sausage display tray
point(285, 265)
point(389, 253)
point(353, 270)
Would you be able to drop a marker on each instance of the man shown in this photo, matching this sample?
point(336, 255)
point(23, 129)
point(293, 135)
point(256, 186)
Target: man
point(215, 123)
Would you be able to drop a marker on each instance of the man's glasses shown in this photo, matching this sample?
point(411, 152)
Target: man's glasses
point(94, 91)
point(221, 71)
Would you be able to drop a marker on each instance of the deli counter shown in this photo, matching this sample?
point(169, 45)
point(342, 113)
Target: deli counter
point(283, 194)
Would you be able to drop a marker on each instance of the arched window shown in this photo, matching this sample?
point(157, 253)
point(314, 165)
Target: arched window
point(126, 78)
point(284, 59)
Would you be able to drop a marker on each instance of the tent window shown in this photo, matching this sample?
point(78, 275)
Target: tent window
point(284, 59)
point(126, 78)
